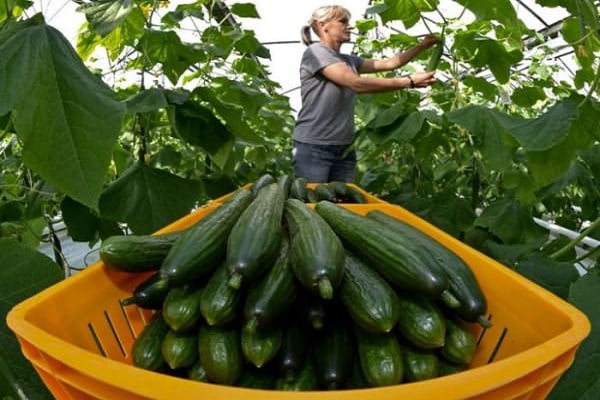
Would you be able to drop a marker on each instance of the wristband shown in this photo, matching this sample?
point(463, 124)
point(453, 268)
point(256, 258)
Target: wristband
point(412, 83)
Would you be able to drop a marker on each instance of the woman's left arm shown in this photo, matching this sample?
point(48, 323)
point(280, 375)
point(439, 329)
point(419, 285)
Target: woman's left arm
point(398, 60)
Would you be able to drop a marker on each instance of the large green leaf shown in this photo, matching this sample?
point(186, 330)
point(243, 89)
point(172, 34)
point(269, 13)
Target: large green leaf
point(23, 273)
point(198, 126)
point(232, 114)
point(548, 130)
point(105, 15)
point(582, 380)
point(148, 198)
point(509, 221)
point(486, 53)
point(490, 128)
point(166, 49)
point(66, 117)
point(408, 11)
point(553, 275)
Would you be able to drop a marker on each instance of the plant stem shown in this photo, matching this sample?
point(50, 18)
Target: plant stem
point(575, 241)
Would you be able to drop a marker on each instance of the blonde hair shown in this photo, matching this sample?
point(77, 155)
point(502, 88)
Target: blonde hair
point(322, 14)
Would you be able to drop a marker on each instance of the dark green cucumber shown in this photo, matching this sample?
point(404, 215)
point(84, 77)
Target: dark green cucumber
point(448, 368)
point(181, 308)
point(368, 298)
point(357, 377)
point(315, 311)
point(324, 192)
point(201, 249)
point(384, 250)
point(355, 196)
point(332, 352)
point(149, 294)
point(275, 292)
point(254, 239)
point(461, 343)
point(462, 282)
point(419, 364)
point(380, 358)
point(317, 254)
point(262, 181)
point(292, 354)
point(221, 354)
point(311, 195)
point(219, 302)
point(298, 189)
point(436, 54)
point(146, 351)
point(340, 189)
point(256, 378)
point(197, 372)
point(305, 380)
point(180, 350)
point(260, 345)
point(136, 253)
point(421, 321)
point(285, 182)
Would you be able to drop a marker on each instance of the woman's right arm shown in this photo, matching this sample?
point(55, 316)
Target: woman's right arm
point(342, 75)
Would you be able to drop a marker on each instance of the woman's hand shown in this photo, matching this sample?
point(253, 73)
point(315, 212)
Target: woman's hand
point(423, 79)
point(428, 41)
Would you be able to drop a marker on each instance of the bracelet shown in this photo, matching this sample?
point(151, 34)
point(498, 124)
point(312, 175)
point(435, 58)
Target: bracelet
point(412, 83)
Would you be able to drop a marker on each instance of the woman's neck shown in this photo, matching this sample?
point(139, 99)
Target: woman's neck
point(332, 44)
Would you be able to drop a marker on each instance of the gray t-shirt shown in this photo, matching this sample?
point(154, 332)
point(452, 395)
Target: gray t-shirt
point(327, 113)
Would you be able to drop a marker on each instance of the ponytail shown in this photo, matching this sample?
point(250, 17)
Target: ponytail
point(305, 35)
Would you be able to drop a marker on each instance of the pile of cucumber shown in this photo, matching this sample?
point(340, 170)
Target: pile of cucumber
point(269, 292)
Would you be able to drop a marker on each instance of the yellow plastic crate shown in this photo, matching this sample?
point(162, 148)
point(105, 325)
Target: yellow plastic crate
point(78, 337)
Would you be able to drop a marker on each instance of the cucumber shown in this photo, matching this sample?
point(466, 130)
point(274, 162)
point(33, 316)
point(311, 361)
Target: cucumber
point(317, 254)
point(285, 182)
point(180, 350)
point(419, 364)
point(316, 311)
point(380, 358)
point(421, 322)
point(340, 189)
point(181, 308)
point(146, 350)
point(292, 353)
point(197, 372)
point(305, 380)
point(298, 189)
point(355, 196)
point(200, 249)
point(275, 292)
point(368, 298)
point(436, 55)
point(332, 353)
point(260, 345)
point(136, 253)
point(462, 282)
point(221, 354)
point(219, 302)
point(148, 294)
point(460, 343)
point(384, 250)
point(256, 378)
point(261, 182)
point(311, 196)
point(254, 239)
point(448, 368)
point(324, 192)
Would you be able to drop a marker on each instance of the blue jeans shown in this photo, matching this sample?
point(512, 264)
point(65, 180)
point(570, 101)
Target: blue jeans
point(323, 163)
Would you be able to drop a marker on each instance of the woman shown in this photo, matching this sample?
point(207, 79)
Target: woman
point(329, 80)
